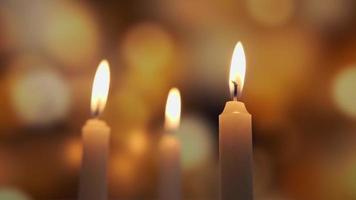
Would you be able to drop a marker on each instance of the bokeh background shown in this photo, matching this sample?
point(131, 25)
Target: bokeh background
point(300, 88)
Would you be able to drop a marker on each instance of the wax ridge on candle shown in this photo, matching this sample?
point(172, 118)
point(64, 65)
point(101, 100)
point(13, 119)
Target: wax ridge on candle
point(235, 107)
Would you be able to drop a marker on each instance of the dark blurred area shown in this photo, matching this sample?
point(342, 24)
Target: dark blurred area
point(300, 89)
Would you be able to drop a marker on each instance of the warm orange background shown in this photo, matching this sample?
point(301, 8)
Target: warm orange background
point(300, 89)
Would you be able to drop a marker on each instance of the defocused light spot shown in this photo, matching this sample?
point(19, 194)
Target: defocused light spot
point(40, 97)
point(123, 168)
point(73, 153)
point(70, 34)
point(12, 194)
point(137, 142)
point(147, 47)
point(148, 52)
point(66, 30)
point(344, 91)
point(123, 173)
point(271, 12)
point(196, 140)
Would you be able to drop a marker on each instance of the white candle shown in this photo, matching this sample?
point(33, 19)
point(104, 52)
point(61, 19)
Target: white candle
point(95, 135)
point(235, 138)
point(169, 151)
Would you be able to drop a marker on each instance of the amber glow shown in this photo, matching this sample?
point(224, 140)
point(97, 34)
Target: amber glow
point(237, 68)
point(138, 142)
point(100, 88)
point(173, 110)
point(73, 151)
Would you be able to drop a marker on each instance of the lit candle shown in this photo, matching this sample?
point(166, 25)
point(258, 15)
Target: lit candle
point(95, 136)
point(169, 150)
point(235, 137)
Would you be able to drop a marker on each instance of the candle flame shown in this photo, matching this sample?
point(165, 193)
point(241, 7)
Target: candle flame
point(237, 68)
point(173, 110)
point(100, 88)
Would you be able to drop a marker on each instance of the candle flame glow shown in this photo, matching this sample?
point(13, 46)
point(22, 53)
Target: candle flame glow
point(173, 110)
point(100, 88)
point(237, 68)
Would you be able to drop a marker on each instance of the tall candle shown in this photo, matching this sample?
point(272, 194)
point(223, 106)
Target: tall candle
point(235, 137)
point(95, 136)
point(169, 150)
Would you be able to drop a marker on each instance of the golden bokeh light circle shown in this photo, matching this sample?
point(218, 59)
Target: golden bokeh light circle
point(344, 91)
point(70, 35)
point(196, 139)
point(40, 97)
point(147, 46)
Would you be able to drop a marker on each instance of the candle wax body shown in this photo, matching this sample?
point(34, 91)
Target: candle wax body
point(93, 177)
point(235, 149)
point(170, 170)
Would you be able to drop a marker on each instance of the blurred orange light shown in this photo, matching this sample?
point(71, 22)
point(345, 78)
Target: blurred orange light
point(73, 153)
point(138, 142)
point(123, 172)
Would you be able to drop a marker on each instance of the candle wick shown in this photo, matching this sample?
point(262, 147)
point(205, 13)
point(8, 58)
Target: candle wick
point(235, 92)
point(97, 110)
